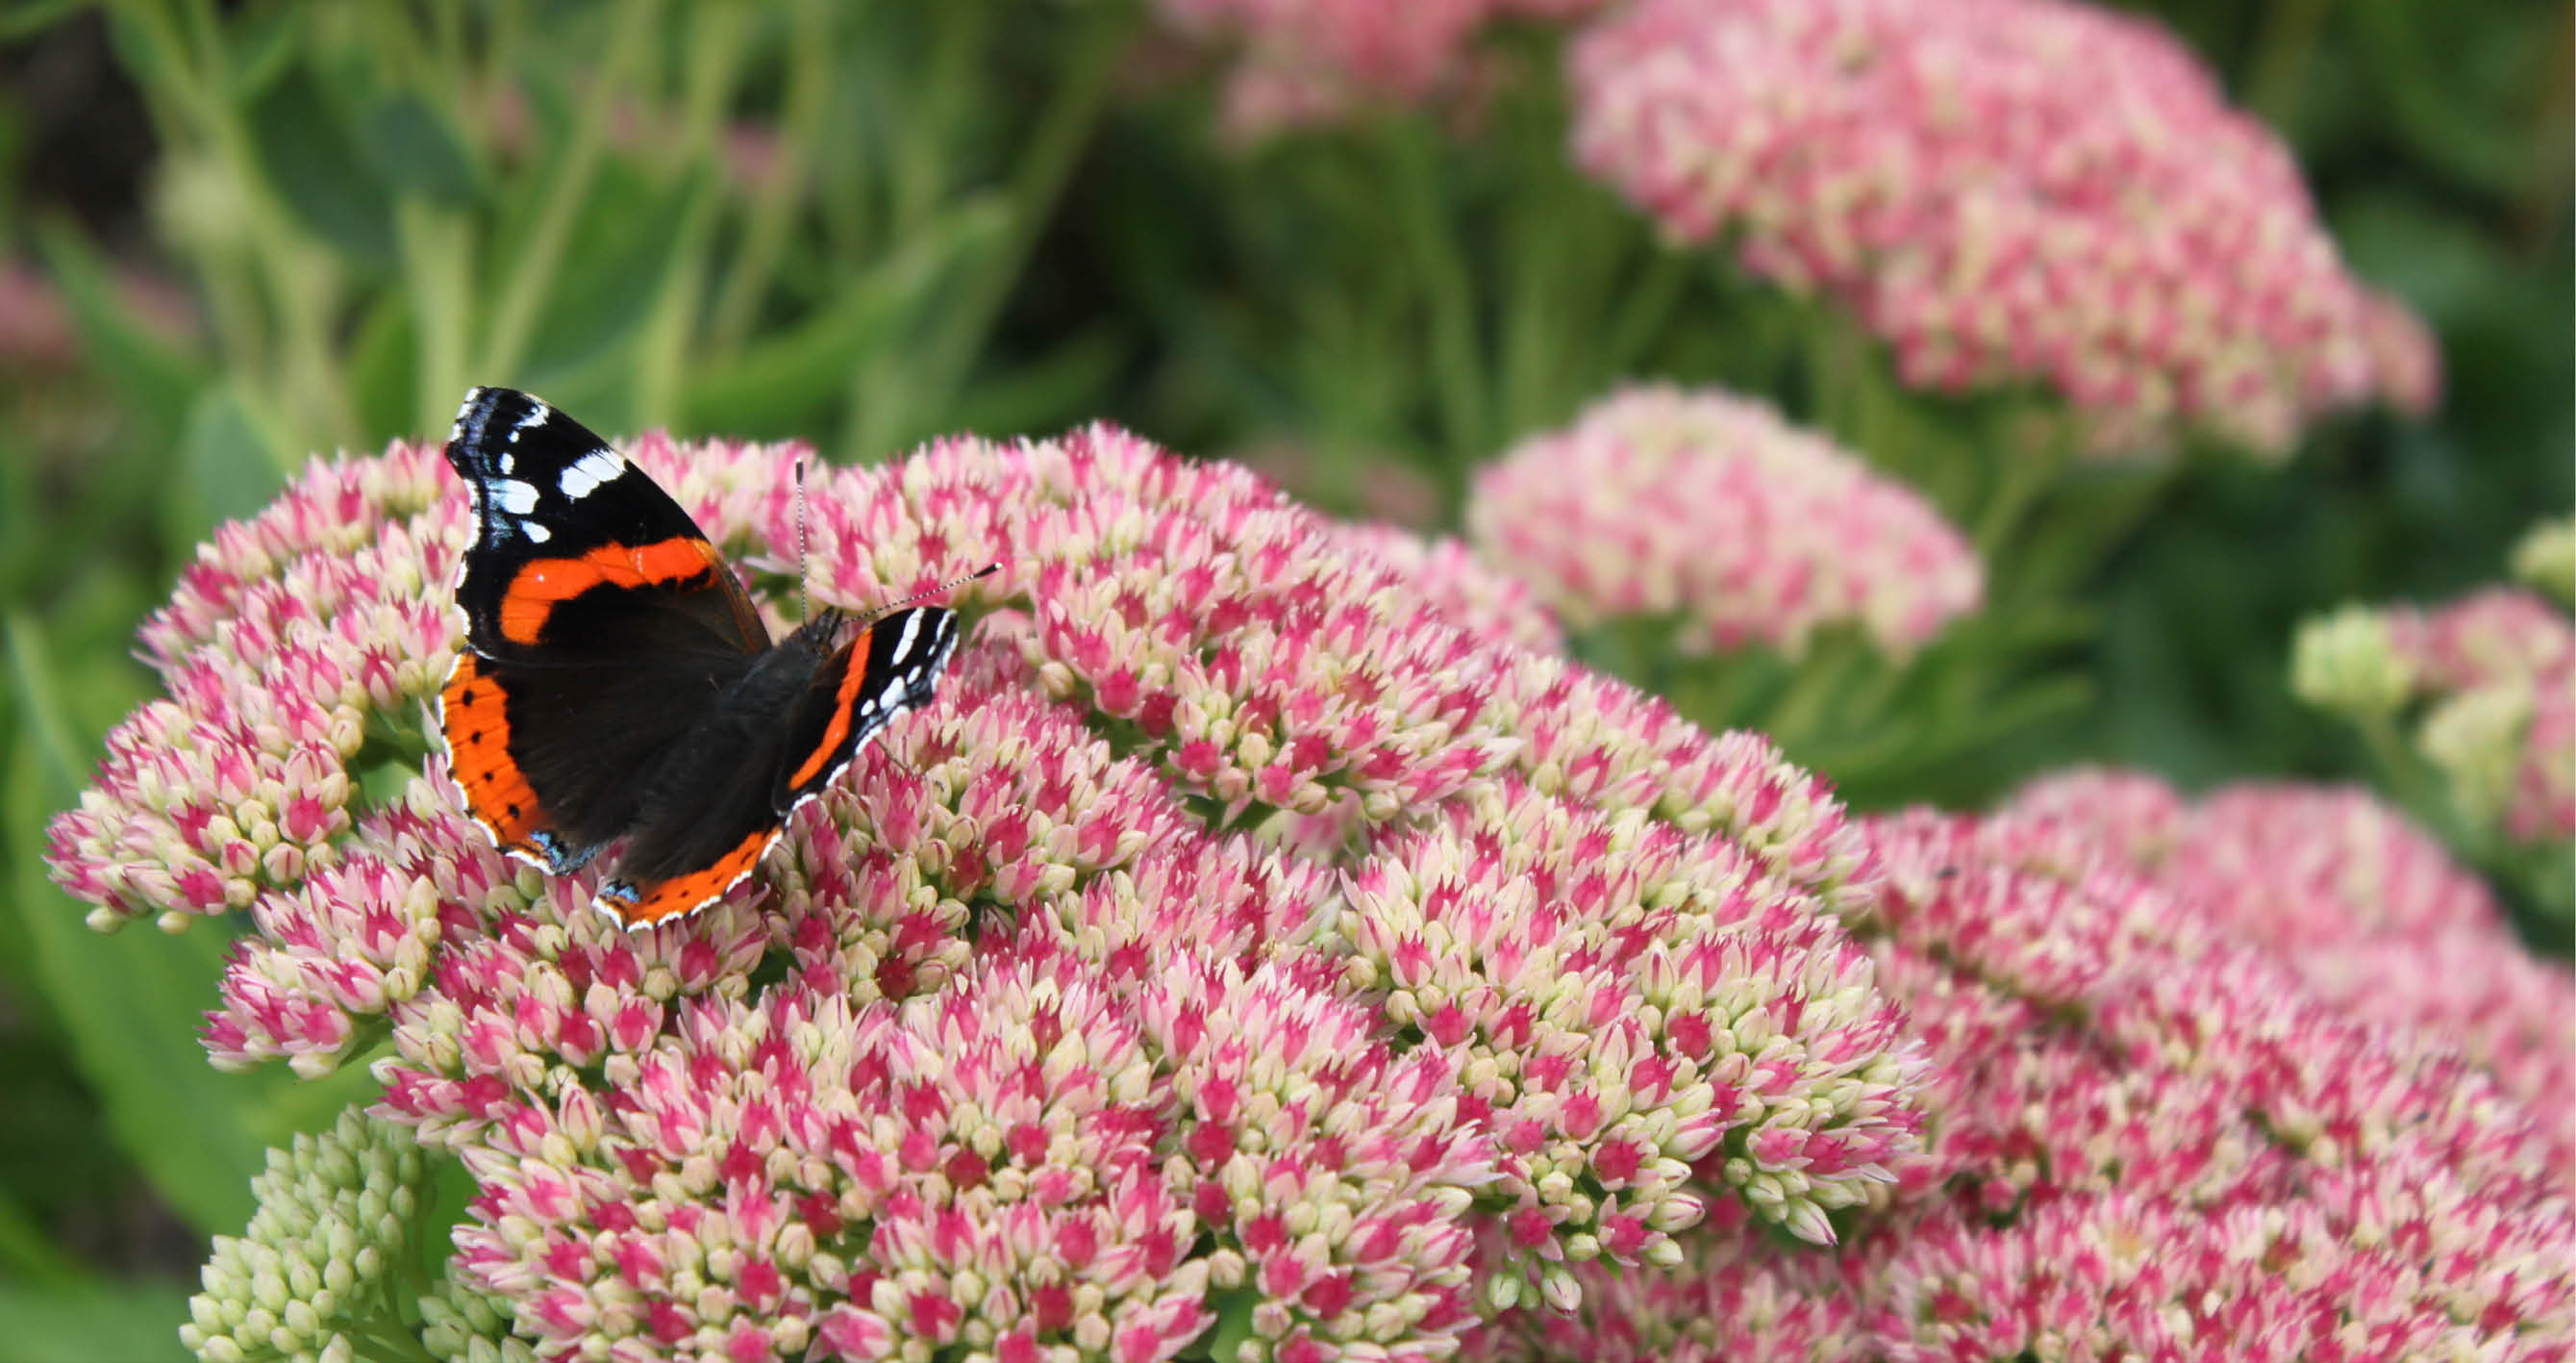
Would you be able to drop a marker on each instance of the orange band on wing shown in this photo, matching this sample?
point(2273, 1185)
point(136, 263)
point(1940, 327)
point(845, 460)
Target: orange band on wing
point(477, 721)
point(533, 593)
point(656, 902)
point(840, 725)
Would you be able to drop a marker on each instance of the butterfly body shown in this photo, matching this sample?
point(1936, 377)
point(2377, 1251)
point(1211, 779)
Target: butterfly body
point(619, 687)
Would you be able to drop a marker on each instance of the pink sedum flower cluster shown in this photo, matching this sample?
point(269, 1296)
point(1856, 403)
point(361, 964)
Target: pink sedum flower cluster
point(1306, 62)
point(1056, 1031)
point(2499, 668)
point(2148, 1138)
point(2002, 190)
point(2367, 909)
point(2490, 683)
point(1710, 508)
point(1467, 591)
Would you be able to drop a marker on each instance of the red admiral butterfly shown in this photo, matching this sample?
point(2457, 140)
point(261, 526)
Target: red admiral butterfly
point(619, 683)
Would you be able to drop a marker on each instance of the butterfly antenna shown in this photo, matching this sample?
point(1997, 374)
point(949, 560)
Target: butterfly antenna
point(942, 589)
point(804, 579)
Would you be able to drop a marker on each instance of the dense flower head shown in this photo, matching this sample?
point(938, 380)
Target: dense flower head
point(2147, 1138)
point(1706, 507)
point(2501, 633)
point(1468, 592)
point(1642, 1015)
point(1599, 742)
point(2002, 190)
point(2491, 678)
point(308, 1277)
point(1306, 62)
point(2367, 909)
point(1042, 1034)
point(1035, 1157)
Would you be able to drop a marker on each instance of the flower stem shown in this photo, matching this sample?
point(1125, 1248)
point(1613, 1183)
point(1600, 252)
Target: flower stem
point(2279, 69)
point(774, 202)
point(523, 295)
point(717, 36)
point(437, 247)
point(1422, 222)
point(301, 280)
point(889, 399)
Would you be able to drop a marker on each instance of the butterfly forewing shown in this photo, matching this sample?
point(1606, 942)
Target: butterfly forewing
point(575, 546)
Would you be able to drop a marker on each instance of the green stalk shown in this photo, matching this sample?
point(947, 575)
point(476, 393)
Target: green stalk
point(2408, 777)
point(2022, 477)
point(937, 119)
point(303, 279)
point(774, 204)
point(1835, 365)
point(1422, 222)
point(2279, 70)
point(523, 295)
point(437, 248)
point(29, 1253)
point(716, 41)
point(885, 398)
point(232, 297)
point(1817, 682)
point(504, 36)
point(301, 283)
point(1555, 260)
point(1644, 306)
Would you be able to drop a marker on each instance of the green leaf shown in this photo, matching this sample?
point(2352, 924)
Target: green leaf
point(413, 150)
point(1056, 389)
point(384, 368)
point(1233, 1328)
point(156, 380)
point(2446, 85)
point(792, 373)
point(227, 468)
point(25, 1250)
point(263, 46)
point(306, 147)
point(130, 1003)
point(132, 1322)
point(581, 353)
point(26, 17)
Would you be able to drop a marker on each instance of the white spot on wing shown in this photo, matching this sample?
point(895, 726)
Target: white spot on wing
point(588, 472)
point(513, 496)
point(537, 534)
point(537, 413)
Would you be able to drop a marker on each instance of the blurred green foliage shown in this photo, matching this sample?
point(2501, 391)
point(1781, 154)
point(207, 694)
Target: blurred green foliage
point(867, 224)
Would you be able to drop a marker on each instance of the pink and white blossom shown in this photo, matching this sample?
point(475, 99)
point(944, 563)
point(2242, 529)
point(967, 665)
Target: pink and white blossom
point(1712, 510)
point(1307, 62)
point(2146, 1138)
point(1034, 1034)
point(2489, 684)
point(2003, 191)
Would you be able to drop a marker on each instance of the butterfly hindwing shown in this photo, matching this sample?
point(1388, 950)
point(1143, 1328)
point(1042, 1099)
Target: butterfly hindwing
point(474, 717)
point(723, 794)
point(891, 666)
